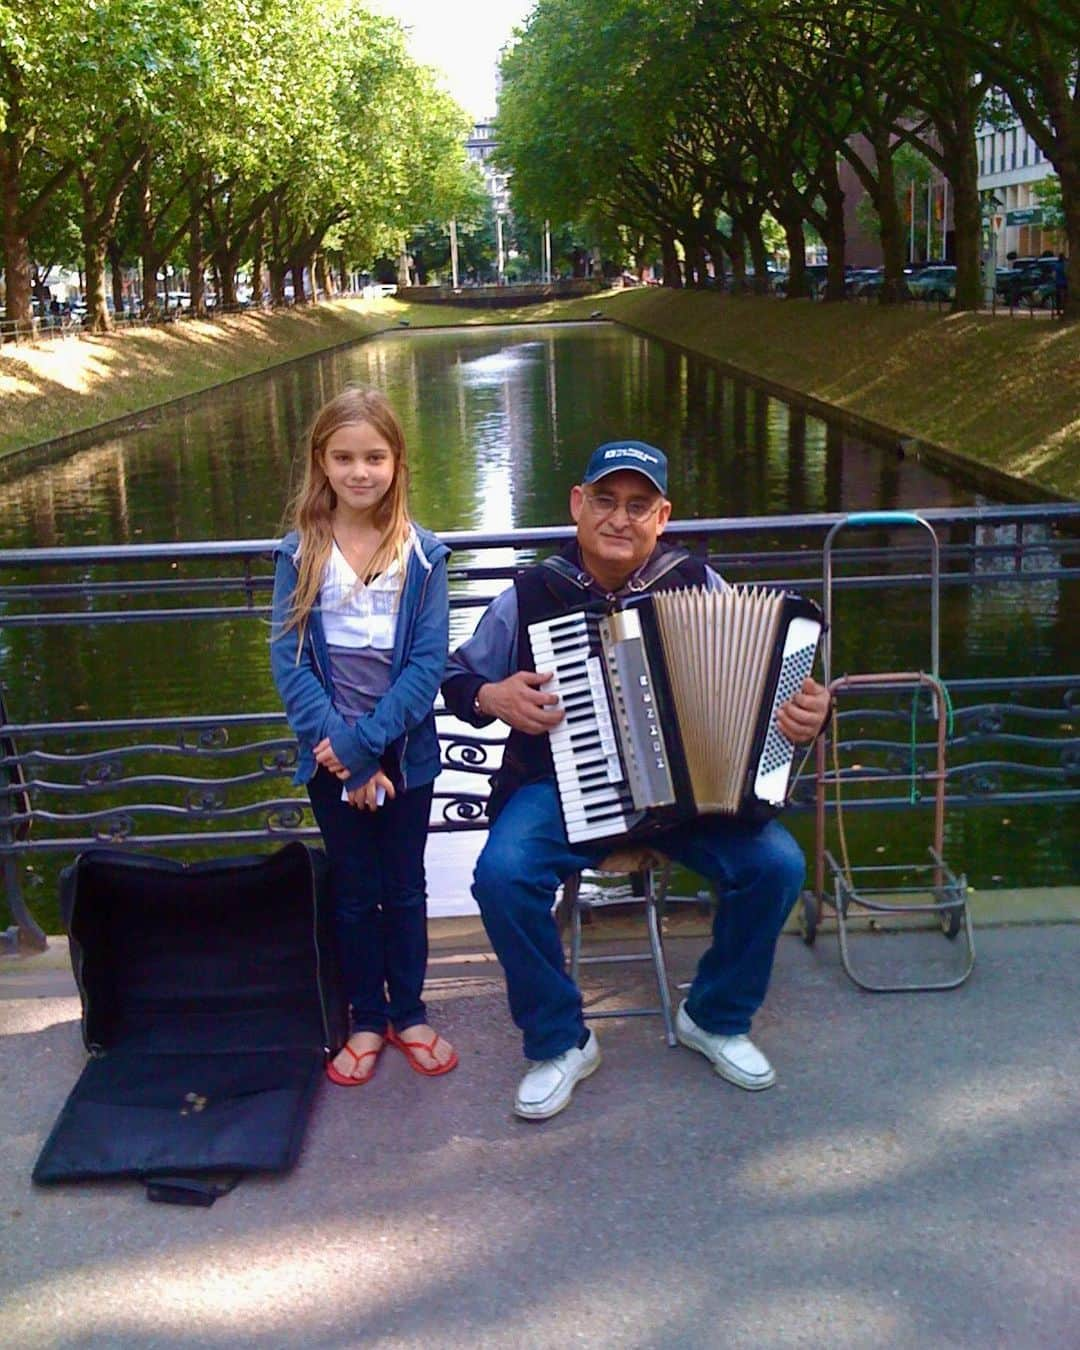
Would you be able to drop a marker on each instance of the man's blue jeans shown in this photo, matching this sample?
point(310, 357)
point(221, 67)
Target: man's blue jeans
point(756, 873)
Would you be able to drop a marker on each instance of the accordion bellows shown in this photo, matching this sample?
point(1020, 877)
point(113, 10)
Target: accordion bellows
point(719, 647)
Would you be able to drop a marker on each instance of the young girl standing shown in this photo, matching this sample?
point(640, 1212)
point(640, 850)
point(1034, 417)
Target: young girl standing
point(360, 631)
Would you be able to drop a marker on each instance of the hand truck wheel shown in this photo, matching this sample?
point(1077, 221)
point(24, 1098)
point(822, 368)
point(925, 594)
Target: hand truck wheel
point(809, 917)
point(951, 918)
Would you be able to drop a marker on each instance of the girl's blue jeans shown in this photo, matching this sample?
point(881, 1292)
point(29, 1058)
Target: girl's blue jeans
point(379, 893)
point(755, 872)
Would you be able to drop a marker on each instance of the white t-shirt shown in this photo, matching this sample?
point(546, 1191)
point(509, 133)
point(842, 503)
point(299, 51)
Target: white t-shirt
point(360, 622)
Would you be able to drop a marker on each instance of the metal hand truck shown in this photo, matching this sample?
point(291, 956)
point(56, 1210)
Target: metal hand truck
point(867, 887)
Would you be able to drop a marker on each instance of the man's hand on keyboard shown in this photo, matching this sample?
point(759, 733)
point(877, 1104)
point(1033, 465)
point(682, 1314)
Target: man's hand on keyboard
point(520, 702)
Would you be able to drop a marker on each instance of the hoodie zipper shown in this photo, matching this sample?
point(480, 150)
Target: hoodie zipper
point(413, 623)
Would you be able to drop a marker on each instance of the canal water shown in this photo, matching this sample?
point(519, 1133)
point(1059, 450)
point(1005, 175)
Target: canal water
point(499, 422)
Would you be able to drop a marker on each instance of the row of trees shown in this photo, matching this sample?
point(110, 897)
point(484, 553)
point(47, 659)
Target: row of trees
point(288, 134)
point(682, 125)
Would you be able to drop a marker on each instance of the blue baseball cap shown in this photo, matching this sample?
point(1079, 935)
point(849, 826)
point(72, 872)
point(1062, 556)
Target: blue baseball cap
point(613, 456)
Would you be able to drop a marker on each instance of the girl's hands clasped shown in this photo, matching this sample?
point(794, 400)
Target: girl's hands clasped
point(367, 797)
point(324, 755)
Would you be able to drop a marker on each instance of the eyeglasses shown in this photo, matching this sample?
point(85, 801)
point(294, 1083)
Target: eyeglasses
point(637, 509)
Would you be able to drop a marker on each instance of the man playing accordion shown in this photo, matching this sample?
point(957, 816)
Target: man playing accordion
point(620, 509)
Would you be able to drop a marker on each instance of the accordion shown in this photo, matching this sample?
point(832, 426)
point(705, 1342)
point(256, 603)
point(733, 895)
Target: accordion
point(670, 706)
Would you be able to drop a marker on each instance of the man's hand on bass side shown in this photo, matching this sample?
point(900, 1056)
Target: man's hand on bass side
point(803, 715)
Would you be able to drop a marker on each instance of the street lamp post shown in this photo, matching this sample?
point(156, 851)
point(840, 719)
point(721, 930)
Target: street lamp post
point(992, 221)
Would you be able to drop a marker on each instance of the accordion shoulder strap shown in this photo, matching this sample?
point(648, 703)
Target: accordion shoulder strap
point(663, 562)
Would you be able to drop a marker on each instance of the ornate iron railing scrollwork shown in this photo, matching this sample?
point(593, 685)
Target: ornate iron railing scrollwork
point(284, 817)
point(206, 738)
point(206, 801)
point(116, 828)
point(470, 754)
point(460, 810)
point(188, 782)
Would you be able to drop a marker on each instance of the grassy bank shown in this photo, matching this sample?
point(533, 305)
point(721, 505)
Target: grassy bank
point(1002, 393)
point(73, 384)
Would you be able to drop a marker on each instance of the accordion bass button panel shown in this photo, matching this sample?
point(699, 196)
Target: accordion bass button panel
point(774, 765)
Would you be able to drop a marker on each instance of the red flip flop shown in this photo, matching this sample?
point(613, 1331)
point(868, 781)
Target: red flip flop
point(357, 1080)
point(408, 1049)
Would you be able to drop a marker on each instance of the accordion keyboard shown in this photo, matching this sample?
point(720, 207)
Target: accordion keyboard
point(596, 799)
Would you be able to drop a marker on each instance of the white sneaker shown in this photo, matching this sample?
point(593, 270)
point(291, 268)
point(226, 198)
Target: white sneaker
point(548, 1085)
point(735, 1058)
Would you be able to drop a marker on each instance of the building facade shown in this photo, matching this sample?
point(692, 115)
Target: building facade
point(480, 148)
point(1010, 167)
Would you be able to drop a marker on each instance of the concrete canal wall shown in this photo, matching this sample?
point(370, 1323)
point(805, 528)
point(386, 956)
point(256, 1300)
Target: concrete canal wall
point(992, 392)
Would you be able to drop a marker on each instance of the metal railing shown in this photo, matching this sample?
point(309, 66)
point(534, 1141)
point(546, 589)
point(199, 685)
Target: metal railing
point(222, 778)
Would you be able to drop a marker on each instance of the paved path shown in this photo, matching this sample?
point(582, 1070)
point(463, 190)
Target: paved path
point(910, 1182)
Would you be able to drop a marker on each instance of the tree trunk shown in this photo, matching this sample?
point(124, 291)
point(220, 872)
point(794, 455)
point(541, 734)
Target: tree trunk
point(151, 265)
point(321, 277)
point(893, 289)
point(758, 255)
point(116, 273)
point(834, 234)
point(967, 233)
point(296, 269)
point(196, 252)
point(150, 255)
point(107, 174)
point(16, 257)
point(97, 312)
point(257, 262)
point(670, 258)
point(13, 240)
point(796, 241)
point(277, 282)
point(1071, 205)
point(738, 258)
point(226, 261)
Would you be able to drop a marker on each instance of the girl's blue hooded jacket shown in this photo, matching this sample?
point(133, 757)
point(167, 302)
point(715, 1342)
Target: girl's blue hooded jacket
point(403, 719)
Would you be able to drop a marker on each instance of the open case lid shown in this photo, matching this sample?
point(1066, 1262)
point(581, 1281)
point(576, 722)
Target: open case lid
point(209, 995)
point(212, 956)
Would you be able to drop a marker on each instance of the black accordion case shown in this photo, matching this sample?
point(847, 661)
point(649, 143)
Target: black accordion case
point(210, 997)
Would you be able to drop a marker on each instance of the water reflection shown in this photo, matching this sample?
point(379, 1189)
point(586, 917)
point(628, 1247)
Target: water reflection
point(499, 422)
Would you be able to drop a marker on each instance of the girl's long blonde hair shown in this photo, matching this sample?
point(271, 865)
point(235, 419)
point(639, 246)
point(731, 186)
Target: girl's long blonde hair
point(310, 511)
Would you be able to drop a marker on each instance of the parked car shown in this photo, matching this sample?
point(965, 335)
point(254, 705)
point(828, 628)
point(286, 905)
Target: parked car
point(914, 269)
point(933, 283)
point(1025, 275)
point(1042, 296)
point(817, 274)
point(1016, 286)
point(870, 288)
point(859, 277)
